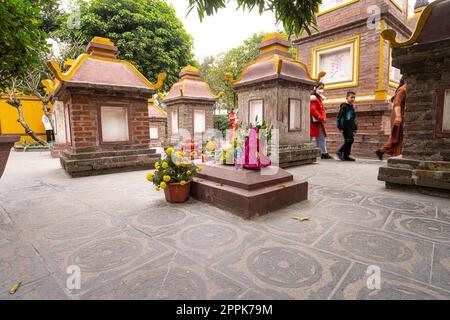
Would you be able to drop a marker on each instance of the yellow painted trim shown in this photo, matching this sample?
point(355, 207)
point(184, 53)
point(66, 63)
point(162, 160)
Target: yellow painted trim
point(391, 35)
point(355, 41)
point(274, 47)
point(102, 40)
point(274, 35)
point(357, 94)
point(381, 94)
point(189, 69)
point(381, 57)
point(161, 109)
point(219, 95)
point(21, 96)
point(50, 85)
point(398, 6)
point(66, 76)
point(335, 8)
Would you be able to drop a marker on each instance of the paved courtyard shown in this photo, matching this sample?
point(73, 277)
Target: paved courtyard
point(130, 244)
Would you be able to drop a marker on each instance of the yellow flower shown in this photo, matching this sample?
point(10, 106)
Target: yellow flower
point(180, 154)
point(177, 163)
point(163, 185)
point(189, 172)
point(166, 178)
point(157, 188)
point(169, 151)
point(157, 165)
point(193, 154)
point(150, 176)
point(184, 164)
point(199, 169)
point(164, 165)
point(182, 182)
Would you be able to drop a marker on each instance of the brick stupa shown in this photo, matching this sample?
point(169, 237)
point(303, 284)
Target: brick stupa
point(277, 89)
point(105, 112)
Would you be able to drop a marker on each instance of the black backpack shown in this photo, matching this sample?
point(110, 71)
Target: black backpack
point(340, 119)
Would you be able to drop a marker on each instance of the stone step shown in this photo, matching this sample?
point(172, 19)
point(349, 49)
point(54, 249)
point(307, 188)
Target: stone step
point(250, 203)
point(108, 153)
point(105, 165)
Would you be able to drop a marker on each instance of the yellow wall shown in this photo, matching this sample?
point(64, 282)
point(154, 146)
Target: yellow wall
point(32, 111)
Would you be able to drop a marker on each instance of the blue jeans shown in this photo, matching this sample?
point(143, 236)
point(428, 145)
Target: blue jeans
point(321, 143)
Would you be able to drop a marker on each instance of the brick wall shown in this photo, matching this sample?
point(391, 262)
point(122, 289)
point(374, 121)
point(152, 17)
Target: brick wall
point(186, 109)
point(275, 95)
point(161, 124)
point(84, 119)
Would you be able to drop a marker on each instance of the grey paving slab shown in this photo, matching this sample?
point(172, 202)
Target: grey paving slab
point(73, 229)
point(103, 259)
point(368, 216)
point(156, 221)
point(444, 211)
point(282, 269)
point(131, 244)
point(142, 283)
point(441, 266)
point(209, 240)
point(42, 289)
point(430, 229)
point(403, 255)
point(405, 205)
point(282, 223)
point(187, 280)
point(339, 194)
point(392, 287)
point(44, 211)
point(19, 262)
point(171, 277)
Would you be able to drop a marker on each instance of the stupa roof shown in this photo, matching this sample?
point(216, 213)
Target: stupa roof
point(99, 67)
point(274, 62)
point(155, 111)
point(433, 25)
point(191, 86)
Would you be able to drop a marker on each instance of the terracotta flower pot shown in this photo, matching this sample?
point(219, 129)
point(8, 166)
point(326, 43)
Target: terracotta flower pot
point(177, 193)
point(6, 143)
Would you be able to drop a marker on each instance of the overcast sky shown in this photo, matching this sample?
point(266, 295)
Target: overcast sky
point(223, 31)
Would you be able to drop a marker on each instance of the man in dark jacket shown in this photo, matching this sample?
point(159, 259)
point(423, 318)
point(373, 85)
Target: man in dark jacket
point(346, 122)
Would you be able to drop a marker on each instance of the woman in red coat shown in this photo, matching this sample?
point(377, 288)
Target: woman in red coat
point(318, 119)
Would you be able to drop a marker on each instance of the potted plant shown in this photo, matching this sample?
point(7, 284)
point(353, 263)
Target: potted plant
point(174, 175)
point(6, 143)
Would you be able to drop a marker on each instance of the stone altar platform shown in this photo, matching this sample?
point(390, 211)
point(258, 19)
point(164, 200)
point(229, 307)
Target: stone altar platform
point(248, 193)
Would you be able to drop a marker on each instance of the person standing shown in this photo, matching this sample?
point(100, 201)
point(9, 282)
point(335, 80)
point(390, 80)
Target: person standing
point(318, 119)
point(48, 128)
point(394, 144)
point(346, 122)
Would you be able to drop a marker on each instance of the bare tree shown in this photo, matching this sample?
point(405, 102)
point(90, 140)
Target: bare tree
point(14, 101)
point(31, 84)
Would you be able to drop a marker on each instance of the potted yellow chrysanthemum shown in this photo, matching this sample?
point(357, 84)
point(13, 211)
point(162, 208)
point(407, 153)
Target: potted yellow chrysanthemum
point(174, 175)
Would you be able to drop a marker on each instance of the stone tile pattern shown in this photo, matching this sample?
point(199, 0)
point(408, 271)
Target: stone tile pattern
point(130, 244)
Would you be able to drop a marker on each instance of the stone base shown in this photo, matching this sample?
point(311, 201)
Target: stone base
point(248, 193)
point(82, 164)
point(425, 176)
point(57, 149)
point(296, 155)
